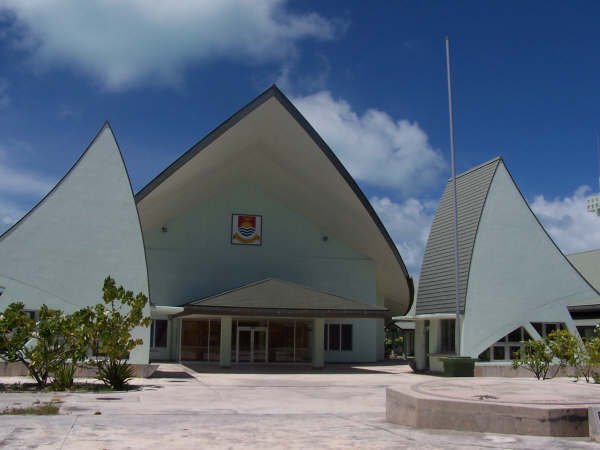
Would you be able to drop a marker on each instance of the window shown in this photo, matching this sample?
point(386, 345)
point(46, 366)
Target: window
point(586, 331)
point(33, 315)
point(448, 336)
point(505, 348)
point(158, 333)
point(544, 329)
point(1, 290)
point(337, 337)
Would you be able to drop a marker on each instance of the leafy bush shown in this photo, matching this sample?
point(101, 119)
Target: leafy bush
point(536, 357)
point(63, 377)
point(113, 324)
point(43, 347)
point(58, 343)
point(588, 360)
point(565, 347)
point(115, 373)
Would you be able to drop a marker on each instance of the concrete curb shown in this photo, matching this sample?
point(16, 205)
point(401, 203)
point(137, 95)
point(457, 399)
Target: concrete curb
point(594, 423)
point(409, 408)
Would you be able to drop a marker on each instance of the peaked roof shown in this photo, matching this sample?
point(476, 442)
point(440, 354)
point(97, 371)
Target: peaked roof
point(436, 293)
point(273, 125)
point(84, 229)
point(274, 296)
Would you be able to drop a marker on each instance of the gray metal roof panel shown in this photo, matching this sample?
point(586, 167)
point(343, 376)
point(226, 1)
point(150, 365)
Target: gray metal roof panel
point(436, 293)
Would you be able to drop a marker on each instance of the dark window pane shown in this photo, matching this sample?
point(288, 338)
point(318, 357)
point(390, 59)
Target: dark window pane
point(334, 336)
point(538, 327)
point(347, 337)
point(325, 336)
point(303, 337)
point(485, 355)
point(498, 353)
point(513, 350)
point(550, 327)
point(160, 333)
point(448, 339)
point(281, 341)
point(214, 340)
point(194, 340)
point(515, 336)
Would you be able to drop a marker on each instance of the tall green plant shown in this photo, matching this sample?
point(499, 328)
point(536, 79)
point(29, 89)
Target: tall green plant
point(113, 324)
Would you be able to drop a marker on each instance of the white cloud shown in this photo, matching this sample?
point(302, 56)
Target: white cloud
point(408, 224)
point(567, 220)
point(121, 42)
point(373, 146)
point(9, 214)
point(16, 181)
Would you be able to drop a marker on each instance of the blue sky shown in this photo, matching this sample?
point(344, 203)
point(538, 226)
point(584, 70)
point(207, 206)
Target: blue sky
point(369, 77)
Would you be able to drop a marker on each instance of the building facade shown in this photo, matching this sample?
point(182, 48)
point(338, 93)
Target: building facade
point(514, 282)
point(255, 246)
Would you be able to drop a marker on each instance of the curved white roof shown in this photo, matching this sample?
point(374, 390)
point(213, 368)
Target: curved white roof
point(269, 143)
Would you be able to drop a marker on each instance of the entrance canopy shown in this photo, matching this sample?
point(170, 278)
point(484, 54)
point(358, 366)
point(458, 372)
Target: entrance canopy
point(272, 297)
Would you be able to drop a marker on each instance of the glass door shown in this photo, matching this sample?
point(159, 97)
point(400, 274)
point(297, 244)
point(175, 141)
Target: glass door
point(259, 344)
point(244, 344)
point(252, 344)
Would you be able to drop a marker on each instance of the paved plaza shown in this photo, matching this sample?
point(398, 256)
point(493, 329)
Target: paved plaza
point(340, 407)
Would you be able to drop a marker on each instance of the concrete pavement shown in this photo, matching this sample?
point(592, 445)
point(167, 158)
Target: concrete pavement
point(338, 408)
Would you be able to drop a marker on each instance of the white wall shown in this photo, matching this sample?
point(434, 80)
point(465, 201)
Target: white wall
point(86, 229)
point(195, 257)
point(517, 275)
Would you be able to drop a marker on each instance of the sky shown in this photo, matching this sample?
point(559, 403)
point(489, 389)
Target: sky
point(369, 76)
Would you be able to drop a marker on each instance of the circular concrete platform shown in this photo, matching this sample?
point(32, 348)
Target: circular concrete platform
point(557, 407)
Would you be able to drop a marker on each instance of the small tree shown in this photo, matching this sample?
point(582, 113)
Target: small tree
point(113, 324)
point(587, 363)
point(536, 357)
point(565, 347)
point(57, 341)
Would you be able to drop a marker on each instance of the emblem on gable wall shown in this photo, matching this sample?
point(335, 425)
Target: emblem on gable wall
point(246, 229)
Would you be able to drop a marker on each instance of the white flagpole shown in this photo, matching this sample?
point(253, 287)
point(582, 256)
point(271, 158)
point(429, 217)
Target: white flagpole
point(454, 198)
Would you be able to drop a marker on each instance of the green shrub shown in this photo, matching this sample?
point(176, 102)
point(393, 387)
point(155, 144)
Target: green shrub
point(115, 373)
point(58, 343)
point(113, 324)
point(565, 347)
point(588, 361)
point(63, 376)
point(536, 357)
point(43, 346)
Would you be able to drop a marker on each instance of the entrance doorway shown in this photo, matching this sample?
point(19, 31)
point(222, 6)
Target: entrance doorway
point(252, 344)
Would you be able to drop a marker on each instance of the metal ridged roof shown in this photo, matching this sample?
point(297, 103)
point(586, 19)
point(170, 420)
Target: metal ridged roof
point(436, 292)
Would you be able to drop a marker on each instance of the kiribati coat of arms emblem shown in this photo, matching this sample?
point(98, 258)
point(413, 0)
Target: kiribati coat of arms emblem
point(246, 229)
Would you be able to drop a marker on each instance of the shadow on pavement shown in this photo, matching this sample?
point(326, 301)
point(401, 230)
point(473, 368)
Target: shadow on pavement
point(282, 368)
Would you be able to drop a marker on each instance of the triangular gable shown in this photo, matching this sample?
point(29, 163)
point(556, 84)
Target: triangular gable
point(518, 275)
point(266, 128)
point(283, 297)
point(84, 229)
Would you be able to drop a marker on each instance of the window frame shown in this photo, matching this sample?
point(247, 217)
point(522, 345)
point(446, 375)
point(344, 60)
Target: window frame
point(153, 334)
point(340, 340)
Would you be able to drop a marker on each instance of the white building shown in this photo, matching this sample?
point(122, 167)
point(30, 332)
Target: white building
point(256, 245)
point(515, 283)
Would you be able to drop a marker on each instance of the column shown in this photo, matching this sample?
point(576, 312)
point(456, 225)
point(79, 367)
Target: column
point(318, 353)
point(420, 352)
point(225, 350)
